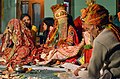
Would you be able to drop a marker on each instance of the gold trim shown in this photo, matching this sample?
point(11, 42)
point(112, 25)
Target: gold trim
point(60, 13)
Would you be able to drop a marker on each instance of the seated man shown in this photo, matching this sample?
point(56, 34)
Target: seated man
point(106, 45)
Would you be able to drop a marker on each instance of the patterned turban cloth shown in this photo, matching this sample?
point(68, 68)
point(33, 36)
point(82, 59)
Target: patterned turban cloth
point(59, 11)
point(95, 14)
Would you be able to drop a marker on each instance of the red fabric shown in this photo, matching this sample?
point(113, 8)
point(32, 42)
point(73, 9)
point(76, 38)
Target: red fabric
point(20, 55)
point(18, 49)
point(78, 23)
point(76, 40)
point(72, 60)
point(78, 26)
point(87, 54)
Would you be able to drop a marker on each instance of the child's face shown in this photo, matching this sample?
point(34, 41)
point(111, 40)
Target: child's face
point(44, 26)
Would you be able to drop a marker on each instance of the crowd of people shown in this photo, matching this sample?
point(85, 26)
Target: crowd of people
point(91, 41)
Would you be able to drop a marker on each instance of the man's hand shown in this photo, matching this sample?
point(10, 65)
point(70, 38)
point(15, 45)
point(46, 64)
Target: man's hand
point(82, 67)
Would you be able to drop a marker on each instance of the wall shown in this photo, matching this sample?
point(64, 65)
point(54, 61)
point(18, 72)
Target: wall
point(78, 5)
point(108, 4)
point(47, 9)
point(9, 12)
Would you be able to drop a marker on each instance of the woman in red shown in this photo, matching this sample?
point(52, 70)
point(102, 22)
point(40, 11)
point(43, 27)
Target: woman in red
point(17, 44)
point(62, 38)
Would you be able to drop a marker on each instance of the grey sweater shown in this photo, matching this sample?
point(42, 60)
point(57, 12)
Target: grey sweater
point(102, 45)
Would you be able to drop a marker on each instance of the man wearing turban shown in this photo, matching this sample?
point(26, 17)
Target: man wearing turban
point(106, 45)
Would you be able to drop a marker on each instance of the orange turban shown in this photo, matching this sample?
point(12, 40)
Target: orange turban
point(95, 14)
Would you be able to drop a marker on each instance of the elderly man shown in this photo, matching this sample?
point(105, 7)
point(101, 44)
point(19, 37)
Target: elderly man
point(106, 45)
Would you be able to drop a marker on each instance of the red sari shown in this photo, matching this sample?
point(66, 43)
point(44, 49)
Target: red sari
point(63, 36)
point(17, 44)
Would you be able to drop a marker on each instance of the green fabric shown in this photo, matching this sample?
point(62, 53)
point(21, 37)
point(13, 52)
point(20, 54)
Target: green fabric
point(88, 46)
